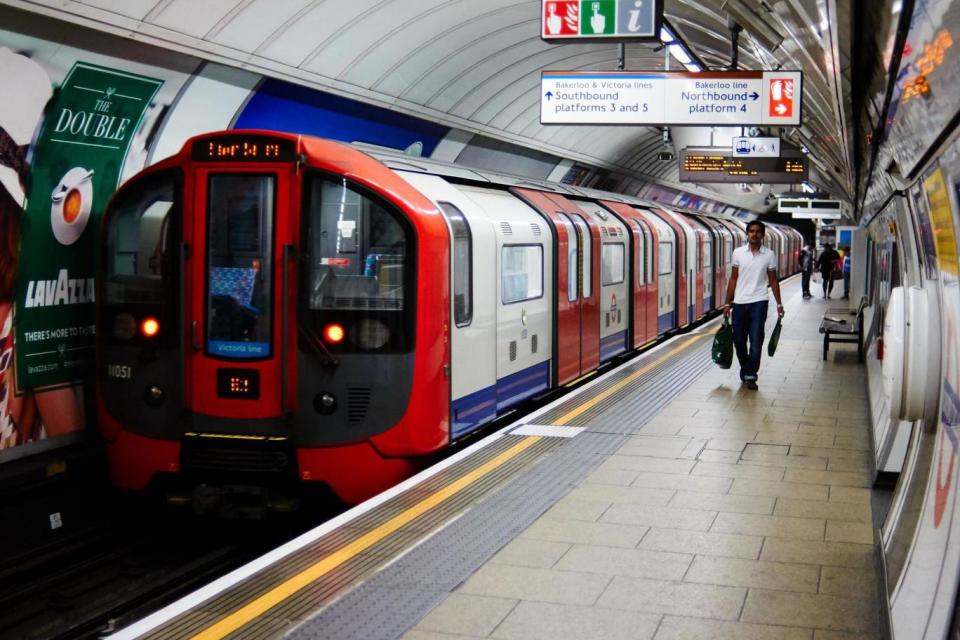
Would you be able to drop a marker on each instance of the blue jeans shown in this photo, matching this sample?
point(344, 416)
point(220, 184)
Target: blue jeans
point(748, 321)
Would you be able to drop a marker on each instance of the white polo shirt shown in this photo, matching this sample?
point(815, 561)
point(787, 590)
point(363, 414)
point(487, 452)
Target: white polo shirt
point(752, 270)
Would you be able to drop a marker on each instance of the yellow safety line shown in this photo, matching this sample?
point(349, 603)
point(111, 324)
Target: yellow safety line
point(570, 415)
point(281, 592)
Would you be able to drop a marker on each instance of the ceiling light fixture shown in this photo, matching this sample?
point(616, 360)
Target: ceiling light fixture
point(750, 20)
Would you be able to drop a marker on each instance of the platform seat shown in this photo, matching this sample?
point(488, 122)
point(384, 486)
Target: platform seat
point(843, 326)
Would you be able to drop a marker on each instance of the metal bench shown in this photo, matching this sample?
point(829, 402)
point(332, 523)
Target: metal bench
point(840, 326)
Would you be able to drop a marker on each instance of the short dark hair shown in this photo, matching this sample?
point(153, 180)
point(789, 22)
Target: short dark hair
point(763, 227)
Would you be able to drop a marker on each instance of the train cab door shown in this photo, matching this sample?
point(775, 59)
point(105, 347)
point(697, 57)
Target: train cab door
point(236, 238)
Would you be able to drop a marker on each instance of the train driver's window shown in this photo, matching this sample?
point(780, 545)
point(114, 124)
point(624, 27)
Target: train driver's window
point(357, 265)
point(666, 258)
point(140, 244)
point(462, 265)
point(521, 273)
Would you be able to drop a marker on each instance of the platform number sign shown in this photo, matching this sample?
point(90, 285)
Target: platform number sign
point(601, 19)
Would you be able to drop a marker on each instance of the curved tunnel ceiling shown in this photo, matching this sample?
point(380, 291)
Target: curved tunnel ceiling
point(476, 65)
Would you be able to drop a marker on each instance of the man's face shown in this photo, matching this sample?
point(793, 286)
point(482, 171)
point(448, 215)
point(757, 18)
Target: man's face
point(755, 235)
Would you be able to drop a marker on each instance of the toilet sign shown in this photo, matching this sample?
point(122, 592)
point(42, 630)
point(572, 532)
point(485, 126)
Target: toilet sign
point(583, 20)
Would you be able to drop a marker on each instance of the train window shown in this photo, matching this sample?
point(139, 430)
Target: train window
point(707, 254)
point(641, 261)
point(573, 254)
point(240, 210)
point(357, 266)
point(462, 265)
point(586, 258)
point(611, 263)
point(521, 273)
point(666, 258)
point(140, 245)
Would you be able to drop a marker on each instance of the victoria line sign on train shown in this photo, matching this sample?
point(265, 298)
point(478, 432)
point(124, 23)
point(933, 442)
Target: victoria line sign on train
point(724, 98)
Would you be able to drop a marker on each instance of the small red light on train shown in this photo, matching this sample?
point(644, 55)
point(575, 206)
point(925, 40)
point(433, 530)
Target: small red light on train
point(150, 327)
point(333, 333)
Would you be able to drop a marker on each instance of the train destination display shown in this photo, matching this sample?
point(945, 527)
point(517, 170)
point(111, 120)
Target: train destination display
point(724, 98)
point(717, 165)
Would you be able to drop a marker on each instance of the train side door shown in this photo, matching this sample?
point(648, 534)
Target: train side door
point(589, 294)
point(236, 300)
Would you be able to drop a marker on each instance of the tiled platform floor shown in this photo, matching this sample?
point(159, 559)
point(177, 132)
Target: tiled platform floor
point(732, 515)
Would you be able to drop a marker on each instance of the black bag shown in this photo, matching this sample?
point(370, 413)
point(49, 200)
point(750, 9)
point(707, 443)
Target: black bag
point(723, 345)
point(774, 339)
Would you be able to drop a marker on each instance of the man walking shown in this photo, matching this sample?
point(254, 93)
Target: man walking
point(846, 273)
point(754, 267)
point(826, 263)
point(806, 270)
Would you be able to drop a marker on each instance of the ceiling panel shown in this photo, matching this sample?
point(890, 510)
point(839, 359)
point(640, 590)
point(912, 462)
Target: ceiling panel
point(475, 65)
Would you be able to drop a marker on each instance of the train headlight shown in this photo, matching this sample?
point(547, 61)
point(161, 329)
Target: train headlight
point(150, 327)
point(154, 395)
point(333, 333)
point(124, 326)
point(370, 334)
point(325, 403)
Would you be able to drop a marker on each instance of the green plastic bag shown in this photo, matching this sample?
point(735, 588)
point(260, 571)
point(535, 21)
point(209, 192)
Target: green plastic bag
point(774, 339)
point(723, 345)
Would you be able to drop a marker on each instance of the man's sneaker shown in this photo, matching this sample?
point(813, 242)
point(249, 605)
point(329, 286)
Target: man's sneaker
point(750, 384)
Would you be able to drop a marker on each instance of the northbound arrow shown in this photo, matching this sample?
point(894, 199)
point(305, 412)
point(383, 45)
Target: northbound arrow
point(549, 94)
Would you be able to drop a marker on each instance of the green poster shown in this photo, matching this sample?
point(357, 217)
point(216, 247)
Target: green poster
point(75, 168)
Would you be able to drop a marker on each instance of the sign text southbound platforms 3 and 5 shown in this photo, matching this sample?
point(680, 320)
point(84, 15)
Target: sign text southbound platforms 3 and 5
point(734, 98)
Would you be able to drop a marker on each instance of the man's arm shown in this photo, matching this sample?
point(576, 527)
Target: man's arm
point(775, 286)
point(731, 288)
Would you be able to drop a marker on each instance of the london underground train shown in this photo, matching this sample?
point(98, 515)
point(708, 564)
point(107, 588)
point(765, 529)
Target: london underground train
point(277, 309)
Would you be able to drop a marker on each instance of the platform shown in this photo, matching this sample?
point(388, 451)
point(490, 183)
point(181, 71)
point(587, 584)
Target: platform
point(662, 501)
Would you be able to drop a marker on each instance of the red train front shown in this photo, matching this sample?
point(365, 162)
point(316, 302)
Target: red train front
point(257, 304)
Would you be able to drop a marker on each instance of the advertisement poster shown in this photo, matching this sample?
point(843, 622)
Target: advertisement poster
point(75, 169)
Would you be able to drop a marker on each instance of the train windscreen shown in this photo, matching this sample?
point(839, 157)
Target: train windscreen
point(357, 254)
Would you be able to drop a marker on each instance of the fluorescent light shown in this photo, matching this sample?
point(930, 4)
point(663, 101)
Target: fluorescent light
point(665, 35)
point(807, 187)
point(680, 54)
point(694, 67)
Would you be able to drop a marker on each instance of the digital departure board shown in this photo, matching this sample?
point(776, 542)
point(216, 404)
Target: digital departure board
point(241, 148)
point(716, 165)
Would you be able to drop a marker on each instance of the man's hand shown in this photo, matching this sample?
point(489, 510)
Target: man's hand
point(779, 310)
point(726, 310)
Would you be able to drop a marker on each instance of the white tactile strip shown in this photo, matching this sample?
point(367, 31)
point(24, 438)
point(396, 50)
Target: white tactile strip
point(547, 431)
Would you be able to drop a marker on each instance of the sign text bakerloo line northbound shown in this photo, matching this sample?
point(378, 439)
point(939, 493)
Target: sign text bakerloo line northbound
point(682, 98)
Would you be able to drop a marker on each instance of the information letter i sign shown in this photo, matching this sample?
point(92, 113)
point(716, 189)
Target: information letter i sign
point(781, 98)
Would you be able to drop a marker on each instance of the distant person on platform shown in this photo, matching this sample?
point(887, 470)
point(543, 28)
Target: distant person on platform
point(754, 267)
point(826, 262)
point(846, 273)
point(806, 270)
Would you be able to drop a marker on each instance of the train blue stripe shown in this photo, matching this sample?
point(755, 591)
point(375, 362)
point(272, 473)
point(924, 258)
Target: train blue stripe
point(472, 411)
point(665, 322)
point(612, 345)
point(521, 385)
